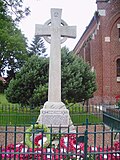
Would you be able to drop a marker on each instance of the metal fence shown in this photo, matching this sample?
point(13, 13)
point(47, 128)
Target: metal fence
point(17, 115)
point(92, 139)
point(111, 121)
point(88, 142)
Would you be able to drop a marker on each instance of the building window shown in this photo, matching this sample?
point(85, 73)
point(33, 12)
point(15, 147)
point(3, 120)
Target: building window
point(118, 26)
point(118, 70)
point(119, 34)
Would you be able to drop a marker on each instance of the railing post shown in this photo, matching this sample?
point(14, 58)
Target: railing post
point(15, 142)
point(86, 140)
point(94, 139)
point(85, 143)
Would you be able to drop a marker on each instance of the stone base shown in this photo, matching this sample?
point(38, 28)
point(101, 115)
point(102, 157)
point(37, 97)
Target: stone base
point(56, 115)
point(54, 105)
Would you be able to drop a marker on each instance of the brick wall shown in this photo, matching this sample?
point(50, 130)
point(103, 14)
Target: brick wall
point(100, 44)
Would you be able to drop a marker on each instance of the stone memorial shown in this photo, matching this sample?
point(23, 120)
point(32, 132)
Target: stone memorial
point(55, 31)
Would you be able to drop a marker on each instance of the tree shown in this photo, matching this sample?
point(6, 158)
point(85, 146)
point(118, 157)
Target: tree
point(13, 44)
point(15, 9)
point(78, 81)
point(2, 86)
point(37, 47)
point(30, 84)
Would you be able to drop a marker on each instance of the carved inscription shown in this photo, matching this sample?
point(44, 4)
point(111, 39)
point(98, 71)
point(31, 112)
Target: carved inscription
point(55, 117)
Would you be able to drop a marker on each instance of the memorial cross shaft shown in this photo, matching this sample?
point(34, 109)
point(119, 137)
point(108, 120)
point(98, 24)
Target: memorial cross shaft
point(55, 28)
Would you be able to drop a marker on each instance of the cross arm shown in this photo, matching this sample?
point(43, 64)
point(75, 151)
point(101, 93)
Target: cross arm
point(42, 30)
point(68, 31)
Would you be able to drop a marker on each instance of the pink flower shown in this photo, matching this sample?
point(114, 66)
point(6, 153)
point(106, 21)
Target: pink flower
point(10, 153)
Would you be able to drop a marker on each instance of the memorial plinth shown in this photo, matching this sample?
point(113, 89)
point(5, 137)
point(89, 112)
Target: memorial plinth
point(55, 114)
point(55, 117)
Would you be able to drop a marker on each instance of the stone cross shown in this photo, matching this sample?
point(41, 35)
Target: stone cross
point(58, 30)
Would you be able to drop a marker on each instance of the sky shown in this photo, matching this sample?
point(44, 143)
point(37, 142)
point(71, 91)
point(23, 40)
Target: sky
point(74, 12)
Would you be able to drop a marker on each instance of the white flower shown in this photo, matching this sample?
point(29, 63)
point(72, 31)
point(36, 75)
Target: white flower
point(24, 150)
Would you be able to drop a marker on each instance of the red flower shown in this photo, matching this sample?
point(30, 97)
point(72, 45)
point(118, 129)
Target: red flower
point(37, 138)
point(67, 144)
point(117, 97)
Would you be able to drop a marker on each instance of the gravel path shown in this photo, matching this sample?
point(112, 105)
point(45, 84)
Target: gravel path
point(98, 138)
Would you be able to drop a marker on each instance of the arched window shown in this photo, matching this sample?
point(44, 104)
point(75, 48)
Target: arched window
point(118, 67)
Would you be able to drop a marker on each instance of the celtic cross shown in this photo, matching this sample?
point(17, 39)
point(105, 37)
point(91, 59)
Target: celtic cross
point(55, 31)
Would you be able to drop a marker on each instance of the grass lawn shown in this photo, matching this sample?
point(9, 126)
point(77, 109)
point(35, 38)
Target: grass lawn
point(18, 119)
point(17, 115)
point(12, 114)
point(3, 100)
point(81, 119)
point(79, 115)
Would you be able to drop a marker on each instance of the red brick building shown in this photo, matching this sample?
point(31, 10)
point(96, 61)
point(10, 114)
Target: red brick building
point(100, 46)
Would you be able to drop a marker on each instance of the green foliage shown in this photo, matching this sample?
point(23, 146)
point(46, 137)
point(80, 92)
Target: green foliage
point(78, 81)
point(13, 48)
point(37, 47)
point(1, 87)
point(4, 101)
point(39, 94)
point(36, 127)
point(15, 9)
point(31, 83)
point(13, 44)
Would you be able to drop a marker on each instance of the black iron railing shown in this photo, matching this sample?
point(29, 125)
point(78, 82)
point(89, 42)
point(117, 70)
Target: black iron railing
point(17, 115)
point(90, 142)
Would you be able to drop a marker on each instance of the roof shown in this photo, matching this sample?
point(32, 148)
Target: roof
point(93, 23)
